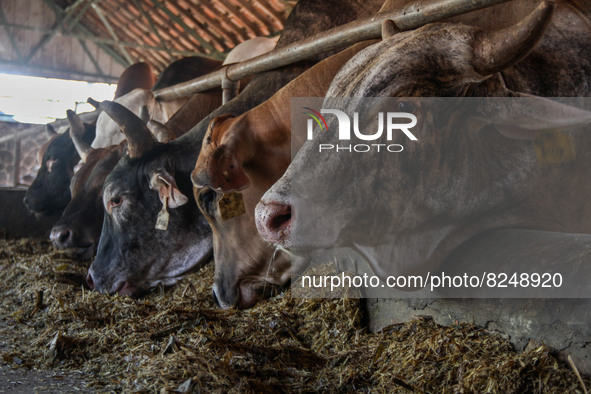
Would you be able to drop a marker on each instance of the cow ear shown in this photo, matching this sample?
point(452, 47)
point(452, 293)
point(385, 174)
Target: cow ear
point(167, 188)
point(144, 113)
point(219, 165)
point(528, 116)
point(50, 131)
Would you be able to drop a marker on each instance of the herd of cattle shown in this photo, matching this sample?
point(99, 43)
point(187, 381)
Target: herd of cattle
point(145, 198)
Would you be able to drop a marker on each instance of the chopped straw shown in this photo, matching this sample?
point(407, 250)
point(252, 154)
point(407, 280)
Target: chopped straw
point(177, 340)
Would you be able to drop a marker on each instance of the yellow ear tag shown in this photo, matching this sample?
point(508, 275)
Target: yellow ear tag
point(554, 147)
point(231, 205)
point(163, 216)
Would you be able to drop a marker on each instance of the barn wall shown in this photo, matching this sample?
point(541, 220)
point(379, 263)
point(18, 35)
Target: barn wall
point(29, 146)
point(61, 57)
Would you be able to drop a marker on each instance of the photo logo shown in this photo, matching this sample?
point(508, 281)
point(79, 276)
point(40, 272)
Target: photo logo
point(347, 129)
point(317, 116)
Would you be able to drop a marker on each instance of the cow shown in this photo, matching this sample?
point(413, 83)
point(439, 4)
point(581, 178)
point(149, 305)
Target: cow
point(49, 193)
point(450, 185)
point(108, 132)
point(132, 206)
point(248, 153)
point(137, 76)
point(79, 227)
point(80, 224)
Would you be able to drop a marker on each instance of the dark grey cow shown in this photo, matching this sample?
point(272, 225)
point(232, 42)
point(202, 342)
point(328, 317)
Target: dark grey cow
point(49, 193)
point(449, 185)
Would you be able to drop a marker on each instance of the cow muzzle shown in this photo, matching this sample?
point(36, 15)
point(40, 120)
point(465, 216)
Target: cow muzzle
point(274, 222)
point(62, 237)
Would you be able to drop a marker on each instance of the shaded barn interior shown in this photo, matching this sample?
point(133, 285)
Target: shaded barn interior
point(95, 40)
point(301, 344)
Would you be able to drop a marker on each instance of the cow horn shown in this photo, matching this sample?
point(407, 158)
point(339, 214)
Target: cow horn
point(93, 102)
point(50, 131)
point(139, 138)
point(77, 135)
point(495, 51)
point(144, 113)
point(160, 131)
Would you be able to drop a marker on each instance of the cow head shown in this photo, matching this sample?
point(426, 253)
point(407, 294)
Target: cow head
point(49, 193)
point(80, 224)
point(247, 154)
point(445, 188)
point(239, 160)
point(137, 250)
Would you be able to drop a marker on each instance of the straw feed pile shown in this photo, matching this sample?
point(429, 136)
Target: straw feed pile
point(178, 341)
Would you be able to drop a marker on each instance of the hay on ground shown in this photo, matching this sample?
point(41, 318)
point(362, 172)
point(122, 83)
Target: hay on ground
point(179, 341)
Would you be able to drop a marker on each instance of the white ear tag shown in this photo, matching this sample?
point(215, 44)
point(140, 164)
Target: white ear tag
point(163, 216)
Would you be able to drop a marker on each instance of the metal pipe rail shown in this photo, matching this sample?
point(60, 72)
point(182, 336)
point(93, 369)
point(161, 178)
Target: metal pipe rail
point(409, 17)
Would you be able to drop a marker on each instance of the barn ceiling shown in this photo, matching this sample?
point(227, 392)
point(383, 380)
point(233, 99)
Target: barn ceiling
point(96, 39)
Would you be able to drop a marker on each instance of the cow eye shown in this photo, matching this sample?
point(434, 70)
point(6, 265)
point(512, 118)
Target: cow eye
point(114, 202)
point(406, 106)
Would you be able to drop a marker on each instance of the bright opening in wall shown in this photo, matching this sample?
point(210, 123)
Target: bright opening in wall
point(42, 100)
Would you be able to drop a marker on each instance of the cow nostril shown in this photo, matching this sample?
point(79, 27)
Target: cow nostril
point(274, 221)
point(281, 220)
point(65, 236)
point(89, 281)
point(61, 236)
point(26, 201)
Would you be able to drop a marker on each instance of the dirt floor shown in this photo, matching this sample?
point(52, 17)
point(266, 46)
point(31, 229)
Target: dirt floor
point(29, 381)
point(56, 336)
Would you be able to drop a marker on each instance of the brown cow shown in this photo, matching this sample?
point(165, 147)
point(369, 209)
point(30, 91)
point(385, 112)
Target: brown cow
point(249, 153)
point(137, 76)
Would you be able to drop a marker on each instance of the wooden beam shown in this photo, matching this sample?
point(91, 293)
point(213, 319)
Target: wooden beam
point(207, 14)
point(188, 12)
point(9, 34)
point(108, 41)
point(150, 21)
point(105, 22)
point(91, 57)
point(266, 7)
point(222, 15)
point(80, 14)
point(61, 20)
point(256, 14)
point(79, 27)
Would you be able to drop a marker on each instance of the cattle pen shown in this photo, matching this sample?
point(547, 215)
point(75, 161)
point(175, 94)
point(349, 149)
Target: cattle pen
point(58, 335)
